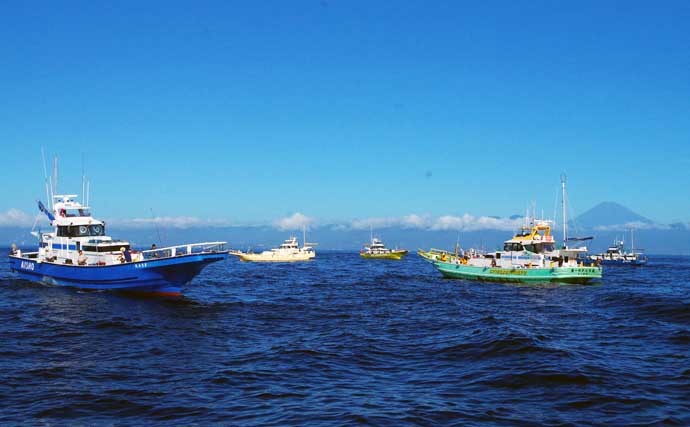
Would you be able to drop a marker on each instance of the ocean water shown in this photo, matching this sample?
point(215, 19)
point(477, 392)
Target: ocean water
point(346, 341)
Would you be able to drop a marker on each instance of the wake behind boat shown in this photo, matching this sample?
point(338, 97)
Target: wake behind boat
point(79, 254)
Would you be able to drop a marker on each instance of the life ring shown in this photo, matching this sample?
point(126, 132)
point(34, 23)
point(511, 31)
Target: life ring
point(443, 257)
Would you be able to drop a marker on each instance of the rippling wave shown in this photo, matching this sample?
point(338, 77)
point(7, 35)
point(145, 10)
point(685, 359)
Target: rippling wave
point(346, 341)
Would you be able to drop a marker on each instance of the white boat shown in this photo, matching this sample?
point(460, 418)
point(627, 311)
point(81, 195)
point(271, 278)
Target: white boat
point(617, 255)
point(288, 251)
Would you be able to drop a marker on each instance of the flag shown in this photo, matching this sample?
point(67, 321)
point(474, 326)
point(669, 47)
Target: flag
point(43, 209)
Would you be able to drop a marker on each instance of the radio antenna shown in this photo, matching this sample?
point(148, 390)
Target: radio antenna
point(155, 222)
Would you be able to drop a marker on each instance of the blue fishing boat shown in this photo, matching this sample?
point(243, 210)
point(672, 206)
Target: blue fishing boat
point(78, 253)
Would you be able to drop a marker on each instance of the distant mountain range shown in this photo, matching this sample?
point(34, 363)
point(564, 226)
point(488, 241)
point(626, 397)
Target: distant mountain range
point(608, 214)
point(604, 221)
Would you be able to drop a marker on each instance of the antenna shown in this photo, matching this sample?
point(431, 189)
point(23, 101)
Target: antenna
point(55, 175)
point(46, 180)
point(632, 240)
point(88, 192)
point(155, 222)
point(83, 181)
point(565, 217)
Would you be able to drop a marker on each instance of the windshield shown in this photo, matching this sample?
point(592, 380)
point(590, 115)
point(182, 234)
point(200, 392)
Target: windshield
point(81, 230)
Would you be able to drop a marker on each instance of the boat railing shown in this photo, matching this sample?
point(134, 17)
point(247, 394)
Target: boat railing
point(193, 248)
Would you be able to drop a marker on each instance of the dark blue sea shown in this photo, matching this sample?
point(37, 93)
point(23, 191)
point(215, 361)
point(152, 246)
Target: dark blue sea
point(344, 341)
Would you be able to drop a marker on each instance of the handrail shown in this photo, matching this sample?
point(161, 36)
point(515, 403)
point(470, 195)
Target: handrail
point(192, 248)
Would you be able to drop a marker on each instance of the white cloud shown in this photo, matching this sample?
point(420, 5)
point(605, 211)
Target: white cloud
point(469, 222)
point(296, 221)
point(170, 222)
point(415, 221)
point(16, 218)
point(637, 225)
point(465, 222)
point(365, 224)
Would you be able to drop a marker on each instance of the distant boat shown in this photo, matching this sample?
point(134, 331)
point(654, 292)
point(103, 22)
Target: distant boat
point(288, 251)
point(617, 255)
point(377, 250)
point(79, 254)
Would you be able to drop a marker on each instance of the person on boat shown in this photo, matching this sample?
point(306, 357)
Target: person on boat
point(81, 260)
point(153, 248)
point(125, 255)
point(50, 256)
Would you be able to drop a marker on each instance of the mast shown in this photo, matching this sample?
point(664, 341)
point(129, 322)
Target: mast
point(632, 241)
point(47, 181)
point(565, 217)
point(55, 175)
point(83, 182)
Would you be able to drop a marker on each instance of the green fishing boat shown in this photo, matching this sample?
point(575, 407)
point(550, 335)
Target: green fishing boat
point(526, 258)
point(529, 257)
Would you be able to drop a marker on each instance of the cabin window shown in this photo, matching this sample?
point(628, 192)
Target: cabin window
point(97, 230)
point(109, 248)
point(536, 248)
point(80, 230)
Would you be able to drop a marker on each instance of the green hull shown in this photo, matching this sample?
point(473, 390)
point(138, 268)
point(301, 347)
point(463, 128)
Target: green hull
point(519, 275)
point(395, 254)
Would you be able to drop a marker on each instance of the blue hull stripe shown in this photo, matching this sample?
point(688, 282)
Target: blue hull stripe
point(60, 246)
point(160, 275)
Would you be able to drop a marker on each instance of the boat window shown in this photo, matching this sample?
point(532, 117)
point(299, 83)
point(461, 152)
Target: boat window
point(67, 231)
point(81, 230)
point(97, 230)
point(110, 248)
point(512, 247)
point(536, 248)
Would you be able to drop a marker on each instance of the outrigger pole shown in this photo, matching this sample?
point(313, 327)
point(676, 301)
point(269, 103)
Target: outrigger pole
point(565, 218)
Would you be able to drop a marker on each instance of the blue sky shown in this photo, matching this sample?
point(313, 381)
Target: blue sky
point(339, 110)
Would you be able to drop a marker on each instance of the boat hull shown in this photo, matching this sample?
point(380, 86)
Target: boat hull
point(520, 275)
point(248, 257)
point(394, 255)
point(621, 262)
point(164, 276)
